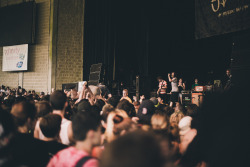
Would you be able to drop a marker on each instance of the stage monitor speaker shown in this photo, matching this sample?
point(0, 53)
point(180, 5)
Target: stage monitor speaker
point(96, 73)
point(186, 99)
point(240, 59)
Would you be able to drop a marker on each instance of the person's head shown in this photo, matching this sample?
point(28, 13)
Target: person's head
point(125, 93)
point(127, 106)
point(107, 108)
point(43, 108)
point(86, 126)
point(143, 150)
point(58, 100)
point(178, 107)
point(180, 80)
point(192, 110)
point(50, 125)
point(99, 103)
point(136, 105)
point(184, 125)
point(83, 106)
point(42, 94)
point(196, 80)
point(173, 74)
point(160, 100)
point(155, 101)
point(109, 133)
point(159, 120)
point(114, 100)
point(145, 112)
point(228, 72)
point(24, 115)
point(176, 117)
point(159, 79)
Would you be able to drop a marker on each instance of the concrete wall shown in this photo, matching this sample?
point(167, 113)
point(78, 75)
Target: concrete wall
point(60, 30)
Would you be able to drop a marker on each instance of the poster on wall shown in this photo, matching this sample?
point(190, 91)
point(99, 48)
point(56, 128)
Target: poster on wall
point(216, 17)
point(15, 58)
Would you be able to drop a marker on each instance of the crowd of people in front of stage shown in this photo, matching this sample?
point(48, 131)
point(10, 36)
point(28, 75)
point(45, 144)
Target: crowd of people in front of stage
point(86, 129)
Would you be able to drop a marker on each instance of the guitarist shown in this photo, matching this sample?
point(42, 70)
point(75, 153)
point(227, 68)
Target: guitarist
point(162, 91)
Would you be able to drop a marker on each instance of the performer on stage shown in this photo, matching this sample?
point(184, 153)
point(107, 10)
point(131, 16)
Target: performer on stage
point(174, 91)
point(181, 87)
point(196, 83)
point(162, 91)
point(228, 80)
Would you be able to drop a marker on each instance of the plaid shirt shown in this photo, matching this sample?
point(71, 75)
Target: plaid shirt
point(163, 84)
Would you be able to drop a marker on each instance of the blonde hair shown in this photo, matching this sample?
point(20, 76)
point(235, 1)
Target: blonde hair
point(176, 117)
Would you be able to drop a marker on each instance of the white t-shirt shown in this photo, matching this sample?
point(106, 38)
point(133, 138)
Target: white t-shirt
point(174, 85)
point(63, 133)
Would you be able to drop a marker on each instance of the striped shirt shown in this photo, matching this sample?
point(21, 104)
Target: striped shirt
point(163, 84)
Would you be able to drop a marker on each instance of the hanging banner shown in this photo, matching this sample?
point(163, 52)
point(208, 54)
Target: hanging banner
point(15, 58)
point(215, 17)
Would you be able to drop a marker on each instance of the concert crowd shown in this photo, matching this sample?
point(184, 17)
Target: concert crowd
point(91, 129)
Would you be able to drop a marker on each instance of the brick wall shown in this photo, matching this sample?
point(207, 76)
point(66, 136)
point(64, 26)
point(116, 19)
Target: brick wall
point(69, 47)
point(69, 42)
point(37, 75)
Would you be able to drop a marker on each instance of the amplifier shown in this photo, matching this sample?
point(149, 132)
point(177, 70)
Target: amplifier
point(200, 88)
point(186, 99)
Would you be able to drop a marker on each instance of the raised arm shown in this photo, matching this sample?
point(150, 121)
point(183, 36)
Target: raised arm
point(169, 78)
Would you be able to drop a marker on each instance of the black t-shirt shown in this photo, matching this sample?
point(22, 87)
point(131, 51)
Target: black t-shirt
point(53, 147)
point(28, 151)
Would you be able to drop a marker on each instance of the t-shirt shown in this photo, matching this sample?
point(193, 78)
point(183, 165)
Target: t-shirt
point(194, 85)
point(162, 84)
point(52, 147)
point(174, 85)
point(64, 131)
point(127, 98)
point(28, 151)
point(69, 158)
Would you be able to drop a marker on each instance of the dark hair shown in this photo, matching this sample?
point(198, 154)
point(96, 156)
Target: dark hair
point(22, 111)
point(159, 77)
point(82, 122)
point(127, 106)
point(50, 125)
point(113, 101)
point(45, 98)
point(192, 110)
point(99, 103)
point(43, 108)
point(83, 106)
point(58, 100)
point(107, 108)
point(136, 149)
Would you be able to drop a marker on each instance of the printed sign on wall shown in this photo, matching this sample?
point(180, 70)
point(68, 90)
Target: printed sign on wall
point(15, 58)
